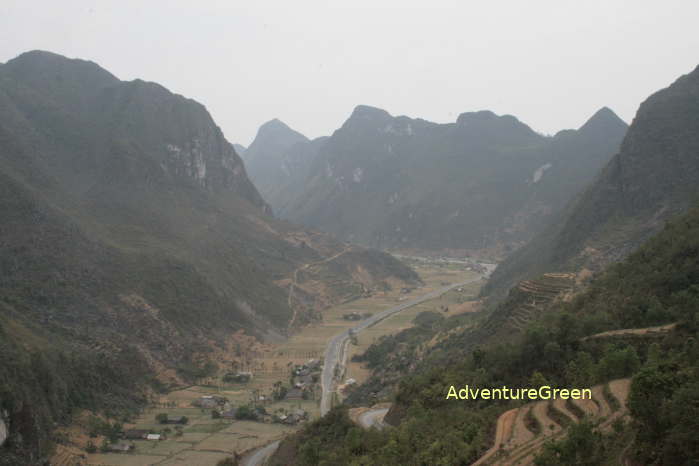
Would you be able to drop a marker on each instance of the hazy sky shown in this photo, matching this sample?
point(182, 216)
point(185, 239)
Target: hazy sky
point(550, 63)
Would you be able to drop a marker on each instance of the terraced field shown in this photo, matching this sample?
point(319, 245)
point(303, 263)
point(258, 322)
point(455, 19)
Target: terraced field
point(516, 443)
point(531, 297)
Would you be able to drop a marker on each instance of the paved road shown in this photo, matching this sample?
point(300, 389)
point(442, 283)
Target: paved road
point(373, 418)
point(332, 357)
point(333, 352)
point(259, 456)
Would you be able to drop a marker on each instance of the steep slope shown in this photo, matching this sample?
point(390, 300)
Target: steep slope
point(486, 182)
point(653, 177)
point(133, 242)
point(290, 182)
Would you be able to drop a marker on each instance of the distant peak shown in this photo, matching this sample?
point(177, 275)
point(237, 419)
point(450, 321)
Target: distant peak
point(485, 119)
point(33, 54)
point(367, 111)
point(482, 115)
point(276, 127)
point(603, 118)
point(35, 63)
point(43, 56)
point(275, 123)
point(276, 133)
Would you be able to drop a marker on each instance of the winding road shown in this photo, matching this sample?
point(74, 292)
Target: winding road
point(334, 355)
point(260, 455)
point(335, 348)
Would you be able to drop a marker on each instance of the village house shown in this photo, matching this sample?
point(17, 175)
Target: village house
point(155, 437)
point(303, 381)
point(136, 434)
point(209, 401)
point(230, 414)
point(313, 364)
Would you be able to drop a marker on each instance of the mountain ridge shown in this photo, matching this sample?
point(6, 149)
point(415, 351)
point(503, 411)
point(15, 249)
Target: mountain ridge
point(401, 182)
point(134, 248)
point(652, 178)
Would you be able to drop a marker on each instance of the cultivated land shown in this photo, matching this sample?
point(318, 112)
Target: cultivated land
point(206, 441)
point(515, 442)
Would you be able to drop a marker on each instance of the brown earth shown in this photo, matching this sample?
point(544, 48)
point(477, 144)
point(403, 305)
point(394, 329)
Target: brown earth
point(515, 444)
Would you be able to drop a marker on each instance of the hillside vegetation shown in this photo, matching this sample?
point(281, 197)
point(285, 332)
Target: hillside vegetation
point(657, 284)
point(636, 318)
point(133, 245)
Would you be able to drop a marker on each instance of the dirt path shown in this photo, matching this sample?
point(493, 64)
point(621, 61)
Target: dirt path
point(503, 432)
point(633, 331)
point(294, 280)
point(560, 405)
point(598, 394)
point(540, 413)
point(589, 407)
point(520, 432)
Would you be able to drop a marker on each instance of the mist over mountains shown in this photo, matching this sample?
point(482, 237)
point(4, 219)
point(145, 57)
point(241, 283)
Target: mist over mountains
point(652, 178)
point(605, 297)
point(483, 183)
point(139, 247)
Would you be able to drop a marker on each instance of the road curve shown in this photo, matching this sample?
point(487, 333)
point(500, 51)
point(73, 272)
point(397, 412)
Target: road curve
point(372, 418)
point(335, 346)
point(259, 456)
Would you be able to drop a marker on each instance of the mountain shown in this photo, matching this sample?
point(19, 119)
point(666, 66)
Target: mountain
point(266, 159)
point(133, 247)
point(634, 324)
point(485, 182)
point(279, 160)
point(653, 177)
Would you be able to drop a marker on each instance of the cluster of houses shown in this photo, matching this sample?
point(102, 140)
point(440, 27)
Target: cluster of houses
point(290, 418)
point(304, 377)
point(218, 404)
point(210, 402)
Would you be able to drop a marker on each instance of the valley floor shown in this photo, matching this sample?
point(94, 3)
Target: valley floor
point(205, 441)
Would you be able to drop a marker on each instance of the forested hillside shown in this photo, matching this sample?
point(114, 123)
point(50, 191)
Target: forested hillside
point(132, 245)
